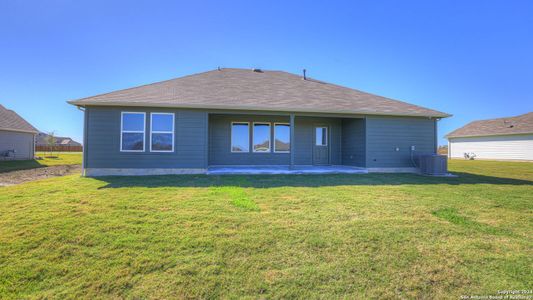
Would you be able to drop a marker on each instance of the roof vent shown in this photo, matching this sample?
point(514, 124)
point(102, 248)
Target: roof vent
point(258, 70)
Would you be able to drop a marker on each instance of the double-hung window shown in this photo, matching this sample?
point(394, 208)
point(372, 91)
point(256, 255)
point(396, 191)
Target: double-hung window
point(261, 138)
point(240, 137)
point(132, 126)
point(282, 137)
point(161, 132)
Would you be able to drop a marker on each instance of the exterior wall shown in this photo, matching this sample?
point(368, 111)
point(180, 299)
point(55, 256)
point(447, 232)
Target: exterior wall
point(102, 140)
point(220, 140)
point(353, 142)
point(512, 147)
point(369, 142)
point(384, 135)
point(21, 142)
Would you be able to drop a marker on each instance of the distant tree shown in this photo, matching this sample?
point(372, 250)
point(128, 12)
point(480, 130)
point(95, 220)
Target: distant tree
point(443, 150)
point(50, 140)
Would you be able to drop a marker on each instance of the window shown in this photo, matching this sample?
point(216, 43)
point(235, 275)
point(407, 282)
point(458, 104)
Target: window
point(321, 136)
point(161, 132)
point(282, 137)
point(240, 137)
point(261, 137)
point(132, 131)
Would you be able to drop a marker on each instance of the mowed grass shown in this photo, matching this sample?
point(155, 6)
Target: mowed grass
point(48, 159)
point(335, 236)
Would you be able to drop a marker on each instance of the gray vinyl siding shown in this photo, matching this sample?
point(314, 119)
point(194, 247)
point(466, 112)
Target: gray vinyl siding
point(21, 142)
point(353, 142)
point(103, 140)
point(385, 134)
point(220, 140)
point(203, 138)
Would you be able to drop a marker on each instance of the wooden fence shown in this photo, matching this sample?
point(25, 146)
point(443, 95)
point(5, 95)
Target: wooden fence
point(59, 148)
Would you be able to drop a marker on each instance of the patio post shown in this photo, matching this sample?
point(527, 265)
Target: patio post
point(292, 140)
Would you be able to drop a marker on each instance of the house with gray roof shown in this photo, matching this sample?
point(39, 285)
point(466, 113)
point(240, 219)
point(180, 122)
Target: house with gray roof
point(41, 140)
point(16, 136)
point(509, 138)
point(250, 118)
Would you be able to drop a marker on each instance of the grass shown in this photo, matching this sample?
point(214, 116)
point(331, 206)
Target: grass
point(54, 159)
point(335, 236)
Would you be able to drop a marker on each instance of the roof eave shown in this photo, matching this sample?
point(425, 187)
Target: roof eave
point(486, 135)
point(84, 103)
point(20, 130)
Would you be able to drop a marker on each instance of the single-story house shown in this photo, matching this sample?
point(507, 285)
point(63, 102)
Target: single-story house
point(508, 138)
point(250, 117)
point(42, 140)
point(17, 136)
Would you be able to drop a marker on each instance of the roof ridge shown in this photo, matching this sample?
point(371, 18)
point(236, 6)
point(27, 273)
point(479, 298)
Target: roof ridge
point(175, 78)
point(240, 88)
point(11, 120)
point(501, 118)
point(142, 85)
point(310, 79)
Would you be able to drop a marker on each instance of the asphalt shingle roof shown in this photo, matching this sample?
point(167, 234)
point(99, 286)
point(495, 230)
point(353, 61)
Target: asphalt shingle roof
point(245, 89)
point(11, 121)
point(40, 140)
point(522, 124)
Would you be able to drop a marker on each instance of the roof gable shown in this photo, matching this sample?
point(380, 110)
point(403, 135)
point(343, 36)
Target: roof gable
point(521, 124)
point(41, 140)
point(11, 121)
point(243, 89)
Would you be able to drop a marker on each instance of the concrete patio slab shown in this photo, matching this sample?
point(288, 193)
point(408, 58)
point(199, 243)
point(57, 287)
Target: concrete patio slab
point(273, 170)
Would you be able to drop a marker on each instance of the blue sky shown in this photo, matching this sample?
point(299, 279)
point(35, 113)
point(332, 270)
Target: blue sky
point(473, 59)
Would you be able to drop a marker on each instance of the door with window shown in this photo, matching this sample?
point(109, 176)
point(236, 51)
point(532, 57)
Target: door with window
point(321, 146)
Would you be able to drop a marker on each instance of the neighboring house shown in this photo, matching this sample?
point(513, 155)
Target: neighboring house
point(41, 140)
point(17, 136)
point(236, 117)
point(504, 138)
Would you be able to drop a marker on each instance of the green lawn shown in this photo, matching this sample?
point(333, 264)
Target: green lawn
point(336, 236)
point(54, 159)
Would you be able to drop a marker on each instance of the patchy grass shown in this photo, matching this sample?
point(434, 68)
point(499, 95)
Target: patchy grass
point(54, 159)
point(335, 236)
point(452, 216)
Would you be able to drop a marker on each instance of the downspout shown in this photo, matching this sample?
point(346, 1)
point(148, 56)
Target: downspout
point(293, 138)
point(33, 147)
point(85, 138)
point(207, 140)
point(449, 149)
point(436, 137)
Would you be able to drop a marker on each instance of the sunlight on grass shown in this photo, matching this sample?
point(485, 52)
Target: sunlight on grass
point(381, 236)
point(451, 215)
point(55, 159)
point(237, 196)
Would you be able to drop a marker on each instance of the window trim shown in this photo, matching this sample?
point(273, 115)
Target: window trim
point(122, 131)
point(327, 137)
point(231, 137)
point(166, 132)
point(290, 146)
point(269, 137)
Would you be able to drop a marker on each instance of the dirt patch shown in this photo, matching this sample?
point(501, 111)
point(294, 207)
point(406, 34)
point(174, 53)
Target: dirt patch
point(16, 177)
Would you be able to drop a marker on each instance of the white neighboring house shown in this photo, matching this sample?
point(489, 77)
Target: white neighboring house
point(17, 136)
point(504, 138)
